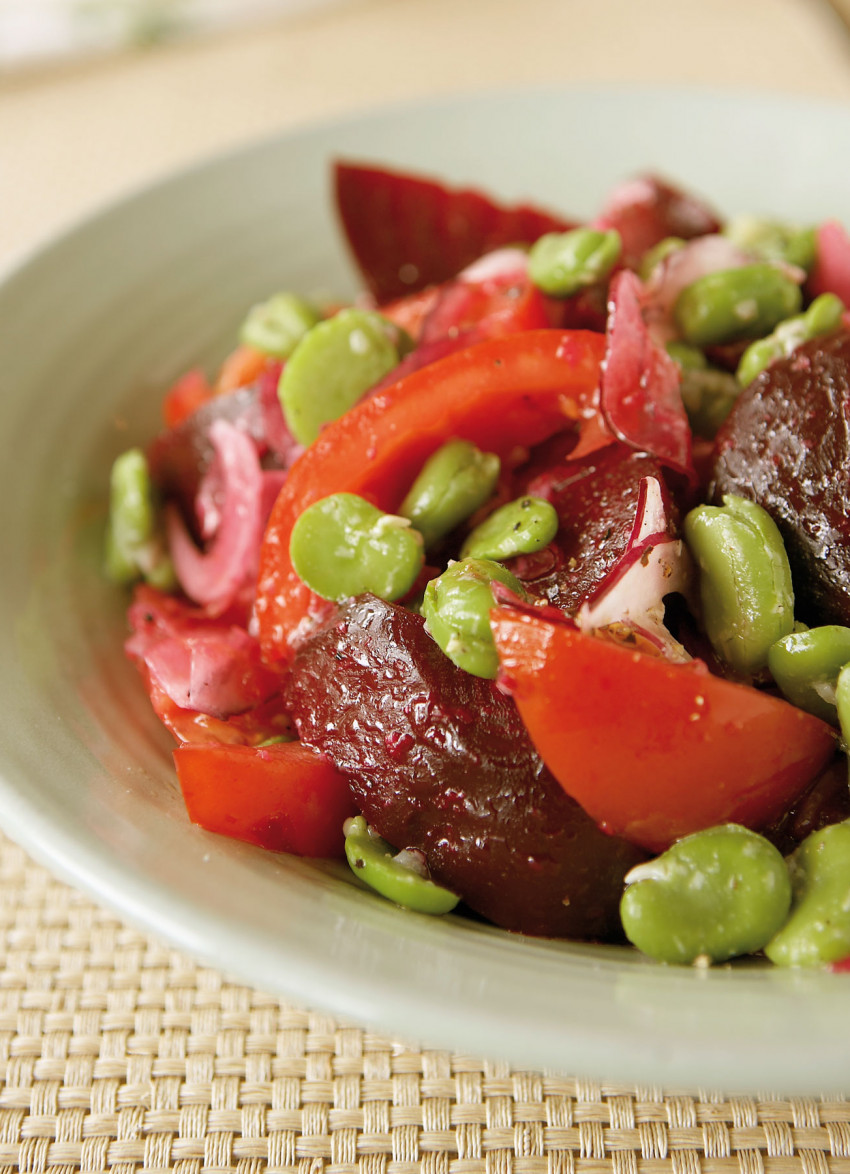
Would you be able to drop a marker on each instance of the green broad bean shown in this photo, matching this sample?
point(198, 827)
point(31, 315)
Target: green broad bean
point(708, 396)
point(452, 484)
point(387, 872)
point(277, 325)
point(771, 240)
point(713, 895)
point(653, 257)
point(745, 580)
point(134, 547)
point(805, 666)
point(456, 607)
point(343, 545)
point(522, 526)
point(332, 366)
point(842, 703)
point(562, 263)
point(822, 317)
point(689, 358)
point(734, 304)
point(818, 928)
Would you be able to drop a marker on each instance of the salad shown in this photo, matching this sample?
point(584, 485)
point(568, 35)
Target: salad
point(523, 582)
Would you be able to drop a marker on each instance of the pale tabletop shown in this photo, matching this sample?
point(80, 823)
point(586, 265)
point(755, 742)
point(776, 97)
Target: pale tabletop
point(115, 1051)
point(72, 138)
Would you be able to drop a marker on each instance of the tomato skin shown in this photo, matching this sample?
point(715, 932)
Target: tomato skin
point(242, 367)
point(184, 397)
point(410, 312)
point(285, 797)
point(501, 394)
point(495, 307)
point(653, 750)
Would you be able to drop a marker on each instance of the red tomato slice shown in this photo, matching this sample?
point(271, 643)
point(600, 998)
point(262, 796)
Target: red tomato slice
point(285, 797)
point(652, 750)
point(264, 721)
point(185, 396)
point(410, 312)
point(502, 394)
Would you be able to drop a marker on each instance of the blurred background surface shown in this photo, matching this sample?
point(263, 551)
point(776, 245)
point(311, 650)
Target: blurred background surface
point(100, 96)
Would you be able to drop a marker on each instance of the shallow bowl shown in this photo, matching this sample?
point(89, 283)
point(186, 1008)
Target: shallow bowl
point(92, 328)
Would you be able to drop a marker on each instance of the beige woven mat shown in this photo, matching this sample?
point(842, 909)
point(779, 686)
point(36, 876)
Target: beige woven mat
point(118, 1053)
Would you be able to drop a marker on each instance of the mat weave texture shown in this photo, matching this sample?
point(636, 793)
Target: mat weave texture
point(121, 1054)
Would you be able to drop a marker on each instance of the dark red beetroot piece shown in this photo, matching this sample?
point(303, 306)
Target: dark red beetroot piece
point(596, 498)
point(407, 232)
point(646, 209)
point(825, 802)
point(439, 760)
point(179, 457)
point(786, 445)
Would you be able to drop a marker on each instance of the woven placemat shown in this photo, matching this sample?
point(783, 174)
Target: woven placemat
point(121, 1054)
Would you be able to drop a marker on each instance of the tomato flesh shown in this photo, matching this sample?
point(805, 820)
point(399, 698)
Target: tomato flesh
point(653, 750)
point(502, 395)
point(284, 797)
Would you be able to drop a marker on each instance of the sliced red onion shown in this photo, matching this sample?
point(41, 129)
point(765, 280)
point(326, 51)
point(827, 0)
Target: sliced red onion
point(280, 440)
point(639, 385)
point(209, 666)
point(218, 673)
point(831, 273)
point(501, 266)
point(653, 565)
point(678, 270)
point(651, 516)
point(215, 577)
point(208, 501)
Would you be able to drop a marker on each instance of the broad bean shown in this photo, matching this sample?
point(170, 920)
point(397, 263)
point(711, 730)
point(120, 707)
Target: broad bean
point(708, 395)
point(734, 304)
point(456, 607)
point(134, 547)
point(818, 928)
point(332, 366)
point(277, 325)
point(522, 526)
point(771, 240)
point(653, 257)
point(822, 317)
point(712, 896)
point(805, 666)
point(343, 545)
point(392, 874)
point(452, 484)
point(745, 580)
point(562, 263)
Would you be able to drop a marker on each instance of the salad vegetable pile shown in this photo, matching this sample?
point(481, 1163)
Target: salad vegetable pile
point(524, 581)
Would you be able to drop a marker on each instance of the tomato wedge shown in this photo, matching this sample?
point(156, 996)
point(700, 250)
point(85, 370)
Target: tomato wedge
point(284, 797)
point(185, 396)
point(502, 395)
point(653, 750)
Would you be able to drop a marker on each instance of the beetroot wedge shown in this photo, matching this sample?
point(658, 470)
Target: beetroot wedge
point(439, 760)
point(407, 232)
